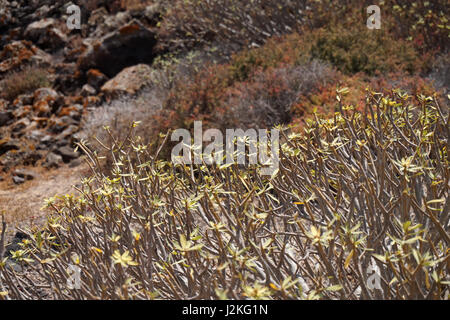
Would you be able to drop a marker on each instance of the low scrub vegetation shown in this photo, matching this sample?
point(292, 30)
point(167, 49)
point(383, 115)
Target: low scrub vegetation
point(359, 209)
point(24, 81)
point(230, 22)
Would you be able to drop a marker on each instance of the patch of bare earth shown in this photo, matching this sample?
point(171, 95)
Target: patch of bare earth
point(22, 204)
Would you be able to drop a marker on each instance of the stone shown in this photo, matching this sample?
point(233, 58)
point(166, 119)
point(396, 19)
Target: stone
point(96, 78)
point(101, 22)
point(22, 111)
point(4, 104)
point(47, 94)
point(15, 243)
point(88, 90)
point(46, 34)
point(6, 17)
point(45, 142)
point(18, 180)
point(67, 153)
point(20, 125)
point(36, 28)
point(6, 117)
point(24, 99)
point(16, 53)
point(129, 81)
point(62, 143)
point(42, 109)
point(73, 111)
point(97, 16)
point(129, 45)
point(53, 160)
point(67, 133)
point(36, 135)
point(8, 145)
point(31, 158)
point(75, 163)
point(60, 124)
point(25, 174)
point(153, 13)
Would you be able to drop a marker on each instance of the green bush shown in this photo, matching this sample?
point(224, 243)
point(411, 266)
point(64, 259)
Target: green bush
point(368, 51)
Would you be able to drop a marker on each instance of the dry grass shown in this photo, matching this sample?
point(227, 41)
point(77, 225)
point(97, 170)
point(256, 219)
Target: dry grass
point(24, 81)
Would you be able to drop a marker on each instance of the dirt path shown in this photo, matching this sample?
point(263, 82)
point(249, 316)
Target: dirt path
point(22, 204)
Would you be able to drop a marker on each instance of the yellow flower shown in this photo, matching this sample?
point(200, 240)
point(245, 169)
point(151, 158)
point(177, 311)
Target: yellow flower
point(124, 260)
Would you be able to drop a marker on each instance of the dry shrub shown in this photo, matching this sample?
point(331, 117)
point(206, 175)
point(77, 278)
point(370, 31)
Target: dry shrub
point(268, 99)
point(323, 99)
point(440, 72)
point(356, 195)
point(239, 23)
point(147, 106)
point(24, 81)
point(423, 23)
point(250, 23)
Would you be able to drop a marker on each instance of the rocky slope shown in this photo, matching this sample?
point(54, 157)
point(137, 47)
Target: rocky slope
point(83, 68)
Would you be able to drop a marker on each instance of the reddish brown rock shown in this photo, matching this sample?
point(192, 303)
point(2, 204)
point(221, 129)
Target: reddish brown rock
point(5, 117)
point(129, 81)
point(17, 53)
point(47, 94)
point(46, 34)
point(7, 144)
point(22, 111)
point(3, 104)
point(42, 109)
point(96, 78)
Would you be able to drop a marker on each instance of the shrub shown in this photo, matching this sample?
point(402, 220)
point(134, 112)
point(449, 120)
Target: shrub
point(269, 98)
point(235, 23)
point(357, 195)
point(363, 51)
point(423, 23)
point(439, 72)
point(215, 96)
point(323, 99)
point(24, 81)
point(348, 50)
point(286, 50)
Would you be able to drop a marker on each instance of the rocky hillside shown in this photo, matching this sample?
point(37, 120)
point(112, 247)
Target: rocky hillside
point(51, 76)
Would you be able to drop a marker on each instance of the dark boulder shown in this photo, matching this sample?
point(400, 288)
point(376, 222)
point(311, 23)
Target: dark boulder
point(129, 45)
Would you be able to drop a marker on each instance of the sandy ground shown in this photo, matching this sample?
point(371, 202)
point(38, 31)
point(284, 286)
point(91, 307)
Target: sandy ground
point(21, 204)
